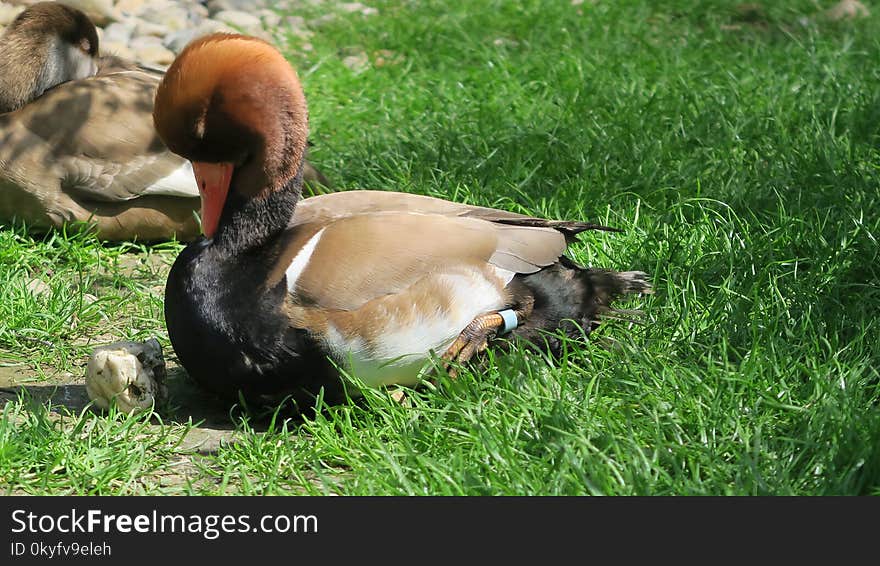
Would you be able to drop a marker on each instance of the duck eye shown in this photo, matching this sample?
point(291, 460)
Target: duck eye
point(85, 46)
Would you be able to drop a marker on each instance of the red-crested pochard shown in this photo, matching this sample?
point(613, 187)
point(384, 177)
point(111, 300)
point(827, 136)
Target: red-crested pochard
point(77, 141)
point(282, 293)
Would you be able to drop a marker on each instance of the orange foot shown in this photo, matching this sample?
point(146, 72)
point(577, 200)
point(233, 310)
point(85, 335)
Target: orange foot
point(472, 340)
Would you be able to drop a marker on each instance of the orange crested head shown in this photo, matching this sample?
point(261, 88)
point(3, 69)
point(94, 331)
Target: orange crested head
point(234, 107)
point(230, 98)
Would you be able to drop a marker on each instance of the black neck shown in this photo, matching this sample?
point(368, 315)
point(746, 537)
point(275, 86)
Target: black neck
point(248, 223)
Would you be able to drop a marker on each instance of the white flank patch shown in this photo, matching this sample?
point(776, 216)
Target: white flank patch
point(301, 260)
point(406, 345)
point(179, 183)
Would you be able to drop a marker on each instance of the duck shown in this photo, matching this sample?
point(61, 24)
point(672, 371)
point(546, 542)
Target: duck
point(77, 143)
point(285, 297)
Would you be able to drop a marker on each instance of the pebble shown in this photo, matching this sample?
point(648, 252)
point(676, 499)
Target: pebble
point(8, 13)
point(118, 49)
point(248, 23)
point(156, 54)
point(847, 10)
point(239, 5)
point(119, 32)
point(269, 18)
point(99, 11)
point(38, 288)
point(176, 41)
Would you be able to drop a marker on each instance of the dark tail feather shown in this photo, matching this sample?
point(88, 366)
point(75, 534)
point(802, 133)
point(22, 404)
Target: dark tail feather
point(568, 227)
point(574, 300)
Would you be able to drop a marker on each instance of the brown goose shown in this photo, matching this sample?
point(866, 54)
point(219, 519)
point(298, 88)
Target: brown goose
point(76, 135)
point(282, 293)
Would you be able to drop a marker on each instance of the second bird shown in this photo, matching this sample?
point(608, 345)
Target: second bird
point(77, 142)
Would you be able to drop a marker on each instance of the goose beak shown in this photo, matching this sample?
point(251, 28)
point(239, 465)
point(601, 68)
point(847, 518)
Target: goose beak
point(213, 180)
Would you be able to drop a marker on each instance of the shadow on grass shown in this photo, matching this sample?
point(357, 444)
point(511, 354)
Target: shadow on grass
point(187, 403)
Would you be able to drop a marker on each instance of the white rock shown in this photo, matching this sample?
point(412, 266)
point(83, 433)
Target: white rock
point(323, 20)
point(176, 41)
point(297, 22)
point(352, 7)
point(296, 27)
point(248, 23)
point(119, 32)
point(99, 11)
point(128, 7)
point(130, 373)
point(145, 28)
point(171, 18)
point(198, 10)
point(270, 19)
point(118, 49)
point(156, 54)
point(8, 13)
point(138, 7)
point(38, 288)
point(240, 5)
point(847, 10)
point(144, 40)
point(358, 62)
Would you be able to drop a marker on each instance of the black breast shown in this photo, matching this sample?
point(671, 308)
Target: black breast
point(232, 337)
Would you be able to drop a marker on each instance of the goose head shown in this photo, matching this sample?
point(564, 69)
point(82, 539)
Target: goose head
point(47, 44)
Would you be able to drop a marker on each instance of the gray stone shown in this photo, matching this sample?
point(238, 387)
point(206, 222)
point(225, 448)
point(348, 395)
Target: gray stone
point(239, 5)
point(118, 49)
point(99, 11)
point(847, 10)
point(295, 22)
point(145, 41)
point(357, 62)
point(248, 23)
point(150, 28)
point(38, 288)
point(8, 13)
point(352, 7)
point(171, 18)
point(125, 8)
point(323, 20)
point(270, 19)
point(156, 54)
point(198, 10)
point(176, 41)
point(119, 32)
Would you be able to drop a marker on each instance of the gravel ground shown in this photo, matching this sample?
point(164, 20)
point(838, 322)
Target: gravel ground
point(154, 31)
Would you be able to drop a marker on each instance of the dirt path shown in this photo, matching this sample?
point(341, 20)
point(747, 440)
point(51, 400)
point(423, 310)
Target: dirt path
point(65, 394)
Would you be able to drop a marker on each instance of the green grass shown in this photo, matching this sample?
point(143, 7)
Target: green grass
point(739, 153)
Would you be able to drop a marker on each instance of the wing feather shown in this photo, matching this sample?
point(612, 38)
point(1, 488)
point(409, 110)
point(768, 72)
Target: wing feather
point(377, 243)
